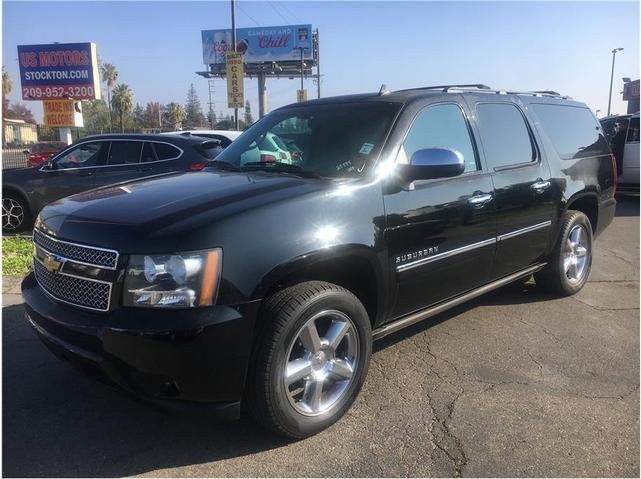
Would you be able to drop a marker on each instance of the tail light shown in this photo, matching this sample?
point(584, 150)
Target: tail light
point(197, 166)
point(614, 174)
point(267, 158)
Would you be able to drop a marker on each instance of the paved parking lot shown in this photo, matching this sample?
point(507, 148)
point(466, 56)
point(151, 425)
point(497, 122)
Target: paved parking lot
point(514, 384)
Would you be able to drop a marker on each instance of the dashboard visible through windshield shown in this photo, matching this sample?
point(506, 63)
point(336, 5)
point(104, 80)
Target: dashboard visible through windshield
point(330, 140)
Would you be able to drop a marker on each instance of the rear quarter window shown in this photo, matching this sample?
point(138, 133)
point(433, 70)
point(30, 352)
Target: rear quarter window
point(165, 151)
point(574, 131)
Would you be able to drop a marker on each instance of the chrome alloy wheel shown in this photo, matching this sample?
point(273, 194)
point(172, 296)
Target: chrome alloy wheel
point(12, 214)
point(576, 255)
point(319, 369)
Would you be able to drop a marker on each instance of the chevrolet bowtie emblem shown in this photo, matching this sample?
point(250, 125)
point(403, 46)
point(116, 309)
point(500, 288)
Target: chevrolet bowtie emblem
point(51, 264)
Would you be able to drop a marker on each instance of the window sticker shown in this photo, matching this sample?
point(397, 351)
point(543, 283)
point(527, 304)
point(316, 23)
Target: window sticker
point(366, 149)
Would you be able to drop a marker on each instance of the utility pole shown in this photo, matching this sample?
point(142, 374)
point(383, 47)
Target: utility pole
point(212, 106)
point(318, 73)
point(614, 52)
point(233, 36)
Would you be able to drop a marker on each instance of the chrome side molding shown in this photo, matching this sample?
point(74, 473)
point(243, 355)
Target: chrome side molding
point(413, 318)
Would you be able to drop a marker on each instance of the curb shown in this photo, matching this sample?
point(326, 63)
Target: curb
point(11, 284)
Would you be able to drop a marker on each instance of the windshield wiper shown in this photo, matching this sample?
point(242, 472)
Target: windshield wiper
point(223, 165)
point(280, 167)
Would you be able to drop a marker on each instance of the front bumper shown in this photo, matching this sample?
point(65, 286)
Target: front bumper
point(197, 355)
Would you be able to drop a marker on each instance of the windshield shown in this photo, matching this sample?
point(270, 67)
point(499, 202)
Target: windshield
point(331, 140)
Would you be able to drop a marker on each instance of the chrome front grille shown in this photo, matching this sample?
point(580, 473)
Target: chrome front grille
point(73, 289)
point(84, 254)
point(60, 267)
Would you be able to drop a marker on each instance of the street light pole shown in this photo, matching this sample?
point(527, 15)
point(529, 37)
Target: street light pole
point(614, 52)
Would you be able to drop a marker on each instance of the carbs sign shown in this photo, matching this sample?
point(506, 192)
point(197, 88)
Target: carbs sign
point(235, 87)
point(58, 71)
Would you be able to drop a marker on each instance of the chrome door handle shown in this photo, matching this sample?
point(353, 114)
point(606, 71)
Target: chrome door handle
point(540, 186)
point(479, 201)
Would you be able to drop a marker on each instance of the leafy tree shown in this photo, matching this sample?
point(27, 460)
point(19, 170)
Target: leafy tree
point(122, 102)
point(249, 119)
point(95, 114)
point(20, 112)
point(153, 114)
point(139, 116)
point(109, 76)
point(195, 117)
point(175, 114)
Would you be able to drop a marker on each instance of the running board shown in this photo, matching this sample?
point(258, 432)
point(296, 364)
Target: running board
point(439, 308)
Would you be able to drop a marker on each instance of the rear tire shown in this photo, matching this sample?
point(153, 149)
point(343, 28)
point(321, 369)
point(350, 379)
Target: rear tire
point(16, 216)
point(311, 358)
point(570, 262)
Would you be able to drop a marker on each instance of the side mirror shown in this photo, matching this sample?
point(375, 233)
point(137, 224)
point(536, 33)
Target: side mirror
point(48, 165)
point(26, 152)
point(432, 163)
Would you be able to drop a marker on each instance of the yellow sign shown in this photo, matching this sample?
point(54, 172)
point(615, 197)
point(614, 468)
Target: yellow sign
point(301, 95)
point(62, 113)
point(235, 76)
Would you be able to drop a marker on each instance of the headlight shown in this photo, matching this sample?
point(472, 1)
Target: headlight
point(181, 280)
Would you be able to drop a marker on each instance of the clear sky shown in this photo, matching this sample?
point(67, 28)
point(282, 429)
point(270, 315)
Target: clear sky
point(156, 46)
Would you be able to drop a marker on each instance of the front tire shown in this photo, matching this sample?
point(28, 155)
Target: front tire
point(570, 262)
point(311, 359)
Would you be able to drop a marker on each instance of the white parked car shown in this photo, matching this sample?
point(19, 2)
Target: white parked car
point(622, 131)
point(224, 136)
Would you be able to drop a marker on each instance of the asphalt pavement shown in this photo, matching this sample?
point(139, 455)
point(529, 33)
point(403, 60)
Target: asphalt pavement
point(515, 383)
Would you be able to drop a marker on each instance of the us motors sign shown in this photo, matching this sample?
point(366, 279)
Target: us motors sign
point(58, 71)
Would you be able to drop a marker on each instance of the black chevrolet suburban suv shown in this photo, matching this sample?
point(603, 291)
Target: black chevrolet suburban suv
point(260, 283)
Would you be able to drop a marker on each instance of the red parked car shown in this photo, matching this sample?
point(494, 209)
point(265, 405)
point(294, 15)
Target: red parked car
point(41, 151)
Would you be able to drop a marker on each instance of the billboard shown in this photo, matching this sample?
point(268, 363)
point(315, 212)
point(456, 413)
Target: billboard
point(258, 45)
point(59, 70)
point(62, 113)
point(235, 80)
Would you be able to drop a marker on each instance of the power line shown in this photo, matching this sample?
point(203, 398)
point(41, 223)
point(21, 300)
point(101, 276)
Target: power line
point(271, 4)
point(290, 12)
point(248, 15)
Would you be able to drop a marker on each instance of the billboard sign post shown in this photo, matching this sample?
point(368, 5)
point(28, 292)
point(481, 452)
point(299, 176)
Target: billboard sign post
point(235, 77)
point(59, 71)
point(258, 45)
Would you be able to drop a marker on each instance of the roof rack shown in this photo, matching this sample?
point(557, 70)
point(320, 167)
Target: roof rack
point(446, 88)
point(486, 89)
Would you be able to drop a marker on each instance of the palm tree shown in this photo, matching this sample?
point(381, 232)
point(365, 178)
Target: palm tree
point(122, 102)
point(7, 86)
point(109, 76)
point(176, 114)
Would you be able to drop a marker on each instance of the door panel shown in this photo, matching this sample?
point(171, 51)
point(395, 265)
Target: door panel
point(440, 243)
point(72, 172)
point(525, 195)
point(440, 233)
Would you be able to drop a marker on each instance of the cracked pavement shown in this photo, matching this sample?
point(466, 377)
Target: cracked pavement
point(515, 383)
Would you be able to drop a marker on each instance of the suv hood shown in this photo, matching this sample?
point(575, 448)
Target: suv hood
point(149, 211)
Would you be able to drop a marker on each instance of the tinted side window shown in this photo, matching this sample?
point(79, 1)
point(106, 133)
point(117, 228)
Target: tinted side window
point(504, 134)
point(440, 126)
point(147, 153)
point(633, 131)
point(574, 131)
point(82, 156)
point(165, 151)
point(124, 152)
